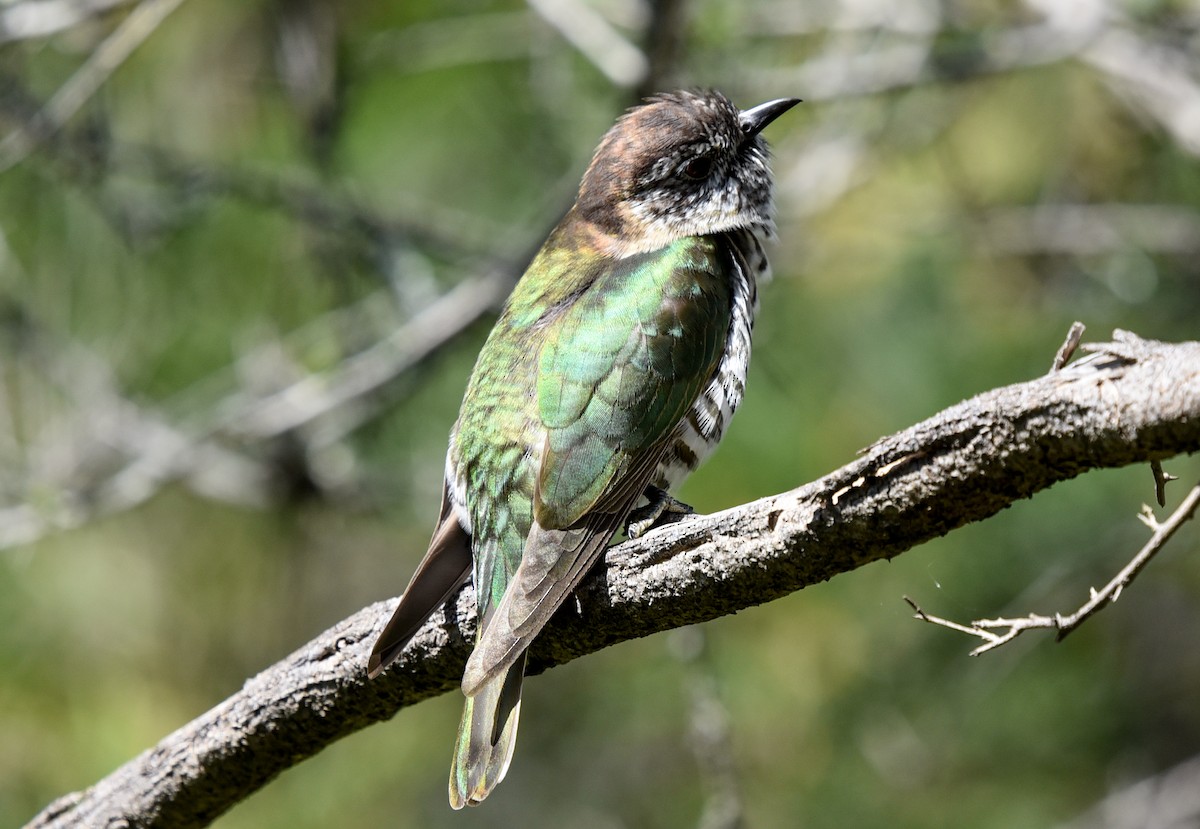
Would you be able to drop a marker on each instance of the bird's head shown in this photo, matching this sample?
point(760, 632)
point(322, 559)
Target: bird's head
point(681, 164)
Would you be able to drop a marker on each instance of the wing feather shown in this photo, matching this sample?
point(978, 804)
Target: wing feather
point(553, 564)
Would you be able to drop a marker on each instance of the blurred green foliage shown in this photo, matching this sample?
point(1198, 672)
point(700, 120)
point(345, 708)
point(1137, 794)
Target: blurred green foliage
point(264, 189)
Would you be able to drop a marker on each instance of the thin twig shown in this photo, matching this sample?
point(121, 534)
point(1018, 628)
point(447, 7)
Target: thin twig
point(1099, 599)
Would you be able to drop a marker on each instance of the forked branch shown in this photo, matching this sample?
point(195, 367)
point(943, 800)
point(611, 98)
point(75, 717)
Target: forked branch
point(986, 629)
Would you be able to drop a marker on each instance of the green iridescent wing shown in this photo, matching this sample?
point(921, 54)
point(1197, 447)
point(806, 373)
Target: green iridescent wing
point(625, 361)
point(628, 359)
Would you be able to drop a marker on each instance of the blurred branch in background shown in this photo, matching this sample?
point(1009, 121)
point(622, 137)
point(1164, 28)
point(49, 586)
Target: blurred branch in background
point(352, 186)
point(1169, 799)
point(107, 455)
point(31, 19)
point(708, 731)
point(589, 32)
point(110, 54)
point(963, 465)
point(1093, 229)
point(68, 456)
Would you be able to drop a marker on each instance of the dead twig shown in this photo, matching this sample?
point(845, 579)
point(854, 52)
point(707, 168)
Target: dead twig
point(1068, 347)
point(986, 629)
point(1161, 479)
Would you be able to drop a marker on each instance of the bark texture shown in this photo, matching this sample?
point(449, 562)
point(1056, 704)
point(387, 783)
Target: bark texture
point(1130, 401)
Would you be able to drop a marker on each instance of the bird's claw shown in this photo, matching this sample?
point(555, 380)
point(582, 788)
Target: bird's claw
point(661, 509)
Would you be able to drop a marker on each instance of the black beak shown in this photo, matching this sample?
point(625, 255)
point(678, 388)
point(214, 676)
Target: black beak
point(753, 120)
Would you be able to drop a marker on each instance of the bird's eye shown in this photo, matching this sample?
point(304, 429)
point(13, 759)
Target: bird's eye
point(698, 168)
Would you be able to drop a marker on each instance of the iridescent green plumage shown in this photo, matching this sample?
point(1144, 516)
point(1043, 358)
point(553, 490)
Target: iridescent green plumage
point(587, 394)
point(612, 370)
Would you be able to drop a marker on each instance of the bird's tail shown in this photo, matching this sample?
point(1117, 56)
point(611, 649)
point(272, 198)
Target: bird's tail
point(486, 737)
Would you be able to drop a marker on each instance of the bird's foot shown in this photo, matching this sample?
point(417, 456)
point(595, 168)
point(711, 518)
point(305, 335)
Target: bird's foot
point(662, 509)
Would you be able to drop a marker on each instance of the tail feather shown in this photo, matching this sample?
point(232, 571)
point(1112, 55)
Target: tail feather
point(446, 565)
point(486, 737)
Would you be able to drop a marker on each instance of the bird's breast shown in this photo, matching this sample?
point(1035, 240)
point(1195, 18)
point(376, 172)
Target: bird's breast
point(702, 428)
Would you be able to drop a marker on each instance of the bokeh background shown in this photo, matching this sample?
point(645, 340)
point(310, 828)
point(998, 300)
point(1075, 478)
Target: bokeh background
point(248, 251)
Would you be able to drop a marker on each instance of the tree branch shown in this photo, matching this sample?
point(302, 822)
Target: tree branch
point(1130, 401)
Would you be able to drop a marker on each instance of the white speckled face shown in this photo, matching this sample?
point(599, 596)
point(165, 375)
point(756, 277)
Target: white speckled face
point(682, 164)
point(705, 188)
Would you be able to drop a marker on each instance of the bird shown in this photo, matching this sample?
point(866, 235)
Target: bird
point(612, 371)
